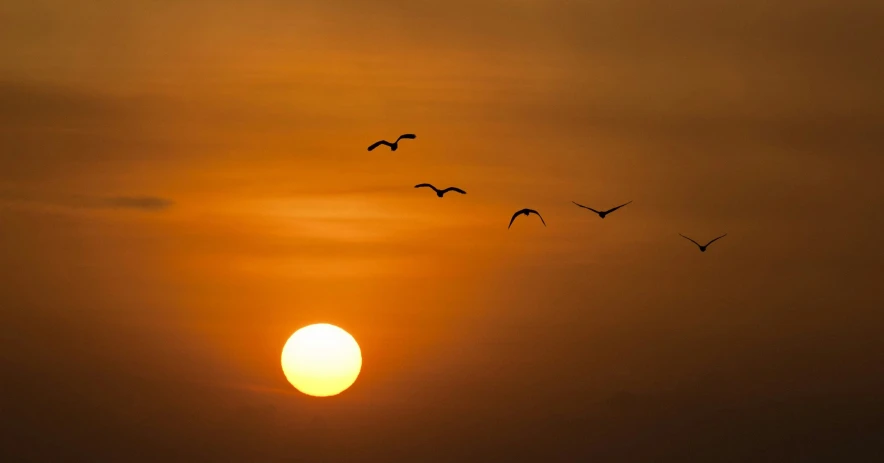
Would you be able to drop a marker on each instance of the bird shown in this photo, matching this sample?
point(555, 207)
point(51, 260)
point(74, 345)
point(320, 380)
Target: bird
point(439, 192)
point(702, 247)
point(527, 212)
point(395, 145)
point(602, 214)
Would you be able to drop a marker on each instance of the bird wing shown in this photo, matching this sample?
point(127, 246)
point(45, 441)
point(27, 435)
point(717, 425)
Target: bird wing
point(538, 215)
point(514, 218)
point(451, 188)
point(716, 239)
point(692, 241)
point(581, 205)
point(614, 209)
point(425, 185)
point(409, 136)
point(379, 143)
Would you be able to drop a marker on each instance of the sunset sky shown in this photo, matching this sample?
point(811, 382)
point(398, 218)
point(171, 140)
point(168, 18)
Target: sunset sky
point(183, 184)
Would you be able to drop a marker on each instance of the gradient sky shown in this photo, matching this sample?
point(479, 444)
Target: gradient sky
point(183, 184)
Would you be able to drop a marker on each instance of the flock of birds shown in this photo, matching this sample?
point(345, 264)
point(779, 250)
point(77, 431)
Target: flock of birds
point(526, 212)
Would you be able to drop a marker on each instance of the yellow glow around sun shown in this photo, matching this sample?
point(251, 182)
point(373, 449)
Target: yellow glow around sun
point(321, 360)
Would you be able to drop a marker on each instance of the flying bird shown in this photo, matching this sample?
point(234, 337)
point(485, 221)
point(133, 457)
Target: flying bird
point(527, 212)
point(395, 145)
point(702, 247)
point(439, 192)
point(602, 214)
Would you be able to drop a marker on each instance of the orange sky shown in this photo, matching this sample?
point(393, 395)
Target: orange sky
point(127, 325)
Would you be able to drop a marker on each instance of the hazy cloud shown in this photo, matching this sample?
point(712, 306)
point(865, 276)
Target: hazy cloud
point(146, 203)
point(141, 202)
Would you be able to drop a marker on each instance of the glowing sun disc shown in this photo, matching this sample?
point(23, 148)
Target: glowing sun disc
point(321, 360)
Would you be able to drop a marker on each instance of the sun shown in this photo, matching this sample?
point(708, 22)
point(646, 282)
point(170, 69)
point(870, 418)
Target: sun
point(321, 360)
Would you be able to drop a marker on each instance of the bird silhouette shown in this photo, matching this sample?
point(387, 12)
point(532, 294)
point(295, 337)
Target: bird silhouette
point(527, 212)
point(395, 145)
point(602, 214)
point(439, 192)
point(702, 247)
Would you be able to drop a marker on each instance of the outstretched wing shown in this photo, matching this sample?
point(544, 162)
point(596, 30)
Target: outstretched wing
point(451, 188)
point(514, 218)
point(716, 239)
point(692, 241)
point(614, 209)
point(409, 136)
point(581, 205)
point(382, 142)
point(538, 215)
point(425, 185)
